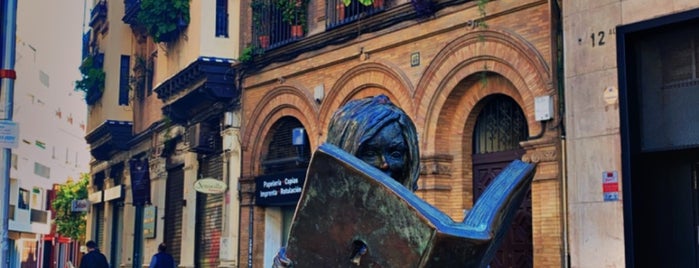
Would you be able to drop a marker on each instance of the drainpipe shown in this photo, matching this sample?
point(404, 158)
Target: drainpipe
point(557, 29)
point(7, 83)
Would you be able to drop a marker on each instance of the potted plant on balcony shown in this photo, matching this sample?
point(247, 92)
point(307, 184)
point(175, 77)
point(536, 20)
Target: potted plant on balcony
point(294, 13)
point(363, 2)
point(260, 23)
point(92, 82)
point(164, 19)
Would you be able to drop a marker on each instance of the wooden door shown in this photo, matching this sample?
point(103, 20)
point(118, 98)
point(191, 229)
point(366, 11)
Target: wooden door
point(499, 129)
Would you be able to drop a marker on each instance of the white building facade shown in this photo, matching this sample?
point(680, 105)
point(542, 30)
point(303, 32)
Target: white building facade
point(51, 118)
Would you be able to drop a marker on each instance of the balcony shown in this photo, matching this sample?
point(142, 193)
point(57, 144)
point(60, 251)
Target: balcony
point(192, 93)
point(98, 14)
point(131, 9)
point(275, 24)
point(274, 41)
point(109, 137)
point(338, 14)
point(30, 220)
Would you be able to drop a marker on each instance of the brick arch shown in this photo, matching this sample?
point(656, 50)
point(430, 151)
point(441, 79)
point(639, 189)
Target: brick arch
point(368, 79)
point(495, 51)
point(277, 103)
point(455, 124)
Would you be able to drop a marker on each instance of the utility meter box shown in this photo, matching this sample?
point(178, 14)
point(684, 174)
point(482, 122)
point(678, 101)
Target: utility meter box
point(543, 108)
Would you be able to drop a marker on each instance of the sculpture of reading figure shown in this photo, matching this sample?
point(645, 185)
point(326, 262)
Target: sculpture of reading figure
point(358, 208)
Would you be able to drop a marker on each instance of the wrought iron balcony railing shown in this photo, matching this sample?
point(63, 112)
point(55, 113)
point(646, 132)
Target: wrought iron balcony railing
point(338, 14)
point(276, 23)
point(98, 13)
point(131, 8)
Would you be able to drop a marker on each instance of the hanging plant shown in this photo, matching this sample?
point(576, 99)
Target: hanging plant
point(164, 19)
point(363, 2)
point(480, 23)
point(92, 82)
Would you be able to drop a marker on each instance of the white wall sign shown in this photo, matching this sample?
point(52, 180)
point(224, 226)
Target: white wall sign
point(210, 186)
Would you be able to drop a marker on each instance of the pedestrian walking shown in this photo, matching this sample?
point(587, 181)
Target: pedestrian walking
point(94, 258)
point(162, 259)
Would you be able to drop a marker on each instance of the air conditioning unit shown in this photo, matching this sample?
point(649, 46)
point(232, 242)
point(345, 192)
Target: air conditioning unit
point(201, 138)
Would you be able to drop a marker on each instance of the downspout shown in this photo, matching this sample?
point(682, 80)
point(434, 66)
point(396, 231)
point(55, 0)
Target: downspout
point(241, 76)
point(559, 56)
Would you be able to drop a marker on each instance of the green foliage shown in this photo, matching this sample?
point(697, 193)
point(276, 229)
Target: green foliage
point(164, 19)
point(92, 82)
point(293, 11)
point(363, 2)
point(259, 8)
point(249, 53)
point(483, 26)
point(68, 223)
point(481, 10)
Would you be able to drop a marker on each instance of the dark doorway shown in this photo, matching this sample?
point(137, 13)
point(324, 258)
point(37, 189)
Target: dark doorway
point(659, 89)
point(499, 129)
point(664, 210)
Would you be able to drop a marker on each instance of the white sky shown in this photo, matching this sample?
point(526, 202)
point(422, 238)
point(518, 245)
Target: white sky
point(54, 28)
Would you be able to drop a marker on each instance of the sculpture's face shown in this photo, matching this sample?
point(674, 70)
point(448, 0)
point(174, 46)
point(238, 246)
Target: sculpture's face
point(387, 151)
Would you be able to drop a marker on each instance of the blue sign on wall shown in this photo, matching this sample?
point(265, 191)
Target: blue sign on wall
point(281, 189)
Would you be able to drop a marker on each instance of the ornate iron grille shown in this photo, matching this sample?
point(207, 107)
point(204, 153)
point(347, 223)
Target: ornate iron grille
point(500, 126)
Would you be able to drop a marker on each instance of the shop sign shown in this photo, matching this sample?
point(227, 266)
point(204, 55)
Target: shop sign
point(279, 189)
point(113, 193)
point(210, 186)
point(610, 186)
point(150, 215)
point(95, 198)
point(81, 205)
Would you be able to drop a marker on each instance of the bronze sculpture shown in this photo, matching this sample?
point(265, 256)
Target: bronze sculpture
point(357, 208)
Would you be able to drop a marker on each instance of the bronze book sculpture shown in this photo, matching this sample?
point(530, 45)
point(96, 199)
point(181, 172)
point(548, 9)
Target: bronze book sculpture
point(353, 215)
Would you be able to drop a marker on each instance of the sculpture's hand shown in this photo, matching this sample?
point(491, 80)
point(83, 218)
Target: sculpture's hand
point(281, 261)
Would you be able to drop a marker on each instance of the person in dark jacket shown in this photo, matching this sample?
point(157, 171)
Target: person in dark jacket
point(94, 258)
point(162, 259)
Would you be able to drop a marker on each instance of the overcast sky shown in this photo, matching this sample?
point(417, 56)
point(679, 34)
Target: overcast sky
point(54, 28)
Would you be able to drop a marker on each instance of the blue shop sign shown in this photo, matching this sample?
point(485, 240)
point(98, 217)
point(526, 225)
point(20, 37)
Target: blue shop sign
point(281, 189)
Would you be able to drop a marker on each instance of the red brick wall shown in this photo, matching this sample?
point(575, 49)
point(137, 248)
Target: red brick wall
point(441, 95)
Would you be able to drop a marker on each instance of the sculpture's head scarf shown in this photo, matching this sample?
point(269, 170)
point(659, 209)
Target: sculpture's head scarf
point(359, 120)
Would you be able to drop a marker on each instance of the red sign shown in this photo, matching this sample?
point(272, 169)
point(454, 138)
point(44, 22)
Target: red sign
point(610, 186)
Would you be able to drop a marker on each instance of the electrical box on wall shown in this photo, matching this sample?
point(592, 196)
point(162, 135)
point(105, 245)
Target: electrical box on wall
point(543, 108)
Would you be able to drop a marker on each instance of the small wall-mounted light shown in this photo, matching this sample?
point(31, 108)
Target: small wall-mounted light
point(319, 93)
point(228, 119)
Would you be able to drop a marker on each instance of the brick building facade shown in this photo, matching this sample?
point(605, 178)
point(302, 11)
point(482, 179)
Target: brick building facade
point(456, 78)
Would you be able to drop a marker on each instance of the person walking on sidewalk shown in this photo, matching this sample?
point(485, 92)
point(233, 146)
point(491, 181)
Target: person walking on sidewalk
point(94, 258)
point(162, 259)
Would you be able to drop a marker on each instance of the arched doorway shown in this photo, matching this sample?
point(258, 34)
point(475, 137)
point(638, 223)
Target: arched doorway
point(278, 188)
point(499, 128)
